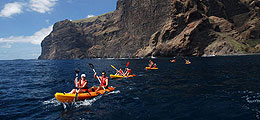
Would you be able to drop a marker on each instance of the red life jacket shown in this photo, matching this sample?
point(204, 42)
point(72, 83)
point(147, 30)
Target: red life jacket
point(81, 83)
point(121, 72)
point(154, 66)
point(103, 81)
point(129, 70)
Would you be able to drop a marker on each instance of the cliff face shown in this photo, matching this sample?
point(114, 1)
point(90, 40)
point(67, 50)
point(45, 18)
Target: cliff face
point(163, 28)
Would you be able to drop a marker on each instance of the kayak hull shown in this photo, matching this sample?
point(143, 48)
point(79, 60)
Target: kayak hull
point(69, 98)
point(148, 68)
point(120, 76)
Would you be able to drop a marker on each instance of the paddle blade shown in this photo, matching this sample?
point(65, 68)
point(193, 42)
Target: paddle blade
point(77, 70)
point(91, 65)
point(127, 64)
point(113, 66)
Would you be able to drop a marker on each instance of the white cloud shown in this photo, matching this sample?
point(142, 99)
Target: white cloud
point(11, 9)
point(42, 6)
point(36, 38)
point(90, 16)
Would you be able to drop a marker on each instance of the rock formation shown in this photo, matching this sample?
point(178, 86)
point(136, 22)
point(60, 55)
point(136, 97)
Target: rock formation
point(160, 28)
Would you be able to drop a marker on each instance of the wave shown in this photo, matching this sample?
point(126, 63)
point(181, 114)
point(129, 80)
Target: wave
point(87, 102)
point(52, 101)
point(114, 92)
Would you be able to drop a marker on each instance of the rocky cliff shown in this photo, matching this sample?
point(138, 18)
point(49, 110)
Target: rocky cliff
point(160, 28)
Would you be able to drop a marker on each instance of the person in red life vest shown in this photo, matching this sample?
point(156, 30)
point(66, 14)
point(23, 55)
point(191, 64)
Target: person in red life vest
point(174, 60)
point(187, 61)
point(104, 81)
point(155, 66)
point(120, 72)
point(128, 72)
point(151, 63)
point(82, 84)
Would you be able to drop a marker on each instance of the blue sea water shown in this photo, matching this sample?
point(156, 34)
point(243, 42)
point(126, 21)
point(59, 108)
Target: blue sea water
point(211, 88)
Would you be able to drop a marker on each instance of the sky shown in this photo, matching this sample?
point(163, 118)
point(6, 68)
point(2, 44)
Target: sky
point(25, 23)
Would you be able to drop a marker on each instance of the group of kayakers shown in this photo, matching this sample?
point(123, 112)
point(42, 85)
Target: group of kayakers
point(82, 83)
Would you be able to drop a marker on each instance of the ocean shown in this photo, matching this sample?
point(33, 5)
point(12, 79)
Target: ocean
point(210, 88)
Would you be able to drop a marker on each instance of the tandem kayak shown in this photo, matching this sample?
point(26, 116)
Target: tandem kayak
point(68, 98)
point(120, 76)
point(149, 68)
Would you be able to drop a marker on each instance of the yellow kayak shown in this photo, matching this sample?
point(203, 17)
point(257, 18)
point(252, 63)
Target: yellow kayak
point(68, 98)
point(149, 68)
point(120, 76)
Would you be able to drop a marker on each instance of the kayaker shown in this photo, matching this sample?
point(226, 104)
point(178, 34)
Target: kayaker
point(174, 59)
point(155, 66)
point(103, 79)
point(151, 63)
point(128, 71)
point(187, 61)
point(120, 72)
point(82, 84)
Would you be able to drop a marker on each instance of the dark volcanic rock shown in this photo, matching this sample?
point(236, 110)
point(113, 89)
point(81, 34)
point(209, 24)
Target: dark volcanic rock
point(163, 28)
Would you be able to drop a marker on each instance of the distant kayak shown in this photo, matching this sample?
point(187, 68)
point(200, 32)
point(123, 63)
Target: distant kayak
point(120, 76)
point(172, 60)
point(149, 68)
point(187, 61)
point(69, 98)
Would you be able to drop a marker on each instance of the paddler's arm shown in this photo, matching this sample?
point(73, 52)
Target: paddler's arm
point(125, 73)
point(76, 81)
point(106, 83)
point(117, 72)
point(95, 75)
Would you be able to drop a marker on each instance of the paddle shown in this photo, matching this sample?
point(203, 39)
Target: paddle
point(92, 66)
point(116, 69)
point(77, 91)
point(77, 72)
point(126, 66)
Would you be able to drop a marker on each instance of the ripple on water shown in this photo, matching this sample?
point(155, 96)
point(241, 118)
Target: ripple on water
point(252, 100)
